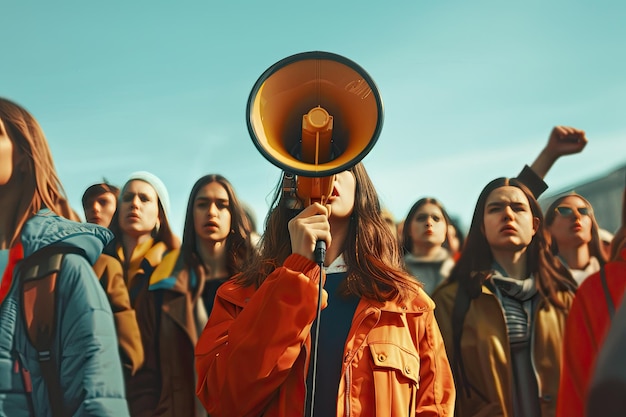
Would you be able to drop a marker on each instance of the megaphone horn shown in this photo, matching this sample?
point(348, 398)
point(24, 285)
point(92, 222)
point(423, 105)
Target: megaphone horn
point(314, 114)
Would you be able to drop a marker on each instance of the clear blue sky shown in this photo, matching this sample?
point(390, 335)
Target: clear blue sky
point(471, 89)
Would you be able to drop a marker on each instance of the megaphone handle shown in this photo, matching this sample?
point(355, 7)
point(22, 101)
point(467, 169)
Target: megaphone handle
point(320, 252)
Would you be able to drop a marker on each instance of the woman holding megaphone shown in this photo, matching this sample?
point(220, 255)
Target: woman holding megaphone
point(378, 350)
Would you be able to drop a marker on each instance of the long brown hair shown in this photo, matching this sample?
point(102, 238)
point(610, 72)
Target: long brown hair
point(476, 262)
point(239, 246)
point(407, 242)
point(41, 187)
point(595, 248)
point(370, 251)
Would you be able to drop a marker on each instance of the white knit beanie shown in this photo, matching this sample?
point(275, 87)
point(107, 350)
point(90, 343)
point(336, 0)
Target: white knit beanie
point(158, 186)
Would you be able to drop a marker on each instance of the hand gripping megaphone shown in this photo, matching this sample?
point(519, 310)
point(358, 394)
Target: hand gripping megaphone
point(313, 115)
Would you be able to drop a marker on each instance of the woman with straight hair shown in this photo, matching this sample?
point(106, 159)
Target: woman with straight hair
point(216, 245)
point(41, 297)
point(575, 235)
point(373, 350)
point(593, 313)
point(425, 243)
point(502, 311)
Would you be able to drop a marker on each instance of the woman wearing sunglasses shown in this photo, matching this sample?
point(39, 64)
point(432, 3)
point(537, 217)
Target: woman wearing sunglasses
point(593, 311)
point(575, 235)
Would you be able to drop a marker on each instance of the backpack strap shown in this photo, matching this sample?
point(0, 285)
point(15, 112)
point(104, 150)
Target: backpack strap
point(607, 294)
point(38, 276)
point(462, 303)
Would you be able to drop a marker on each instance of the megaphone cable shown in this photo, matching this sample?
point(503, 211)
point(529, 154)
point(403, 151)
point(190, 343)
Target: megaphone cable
point(318, 316)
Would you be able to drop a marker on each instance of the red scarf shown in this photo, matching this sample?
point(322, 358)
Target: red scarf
point(16, 254)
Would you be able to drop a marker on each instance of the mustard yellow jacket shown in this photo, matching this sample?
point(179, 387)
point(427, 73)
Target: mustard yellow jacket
point(487, 355)
point(252, 356)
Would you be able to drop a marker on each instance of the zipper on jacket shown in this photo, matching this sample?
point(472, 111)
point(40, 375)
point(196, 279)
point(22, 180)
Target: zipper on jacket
point(349, 356)
point(348, 381)
point(306, 388)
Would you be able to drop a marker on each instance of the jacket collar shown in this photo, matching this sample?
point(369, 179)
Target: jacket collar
point(46, 228)
point(239, 296)
point(172, 274)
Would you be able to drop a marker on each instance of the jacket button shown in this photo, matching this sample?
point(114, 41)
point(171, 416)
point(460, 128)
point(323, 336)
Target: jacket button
point(407, 370)
point(382, 357)
point(547, 398)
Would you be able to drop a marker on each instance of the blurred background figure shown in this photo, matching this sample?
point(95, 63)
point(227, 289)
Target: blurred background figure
point(456, 239)
point(99, 203)
point(391, 222)
point(588, 323)
point(575, 235)
point(249, 211)
point(424, 234)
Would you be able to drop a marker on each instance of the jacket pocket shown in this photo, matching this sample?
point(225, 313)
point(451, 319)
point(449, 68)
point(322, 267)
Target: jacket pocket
point(396, 378)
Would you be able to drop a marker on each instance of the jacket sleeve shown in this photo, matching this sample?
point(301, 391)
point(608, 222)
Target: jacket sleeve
point(444, 303)
point(580, 347)
point(109, 271)
point(531, 180)
point(90, 371)
point(245, 354)
point(436, 394)
point(608, 380)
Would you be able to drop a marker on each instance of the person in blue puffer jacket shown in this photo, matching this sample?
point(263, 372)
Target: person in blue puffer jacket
point(84, 349)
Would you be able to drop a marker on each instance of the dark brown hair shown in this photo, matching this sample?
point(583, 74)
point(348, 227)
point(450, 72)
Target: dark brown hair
point(371, 252)
point(475, 264)
point(407, 242)
point(239, 246)
point(98, 189)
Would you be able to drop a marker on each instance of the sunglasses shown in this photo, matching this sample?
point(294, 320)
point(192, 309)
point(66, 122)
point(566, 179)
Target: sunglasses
point(569, 211)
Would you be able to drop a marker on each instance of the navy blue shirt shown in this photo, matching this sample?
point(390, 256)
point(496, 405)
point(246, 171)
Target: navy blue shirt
point(209, 291)
point(336, 320)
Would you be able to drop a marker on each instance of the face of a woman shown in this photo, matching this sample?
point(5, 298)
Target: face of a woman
point(508, 224)
point(100, 209)
point(6, 155)
point(428, 226)
point(138, 209)
point(211, 213)
point(342, 196)
point(571, 226)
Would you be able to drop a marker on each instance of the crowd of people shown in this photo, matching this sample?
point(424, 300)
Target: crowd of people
point(118, 316)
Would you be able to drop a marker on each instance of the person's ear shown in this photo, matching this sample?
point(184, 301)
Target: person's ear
point(536, 223)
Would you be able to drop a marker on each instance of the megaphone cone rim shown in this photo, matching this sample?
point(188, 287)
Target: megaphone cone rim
point(313, 55)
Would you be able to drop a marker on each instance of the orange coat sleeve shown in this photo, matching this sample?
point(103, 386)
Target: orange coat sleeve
point(436, 395)
point(586, 328)
point(252, 340)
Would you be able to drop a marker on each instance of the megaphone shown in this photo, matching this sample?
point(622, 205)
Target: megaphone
point(314, 114)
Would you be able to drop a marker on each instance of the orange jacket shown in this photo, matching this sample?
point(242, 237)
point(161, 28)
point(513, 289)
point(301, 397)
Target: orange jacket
point(586, 328)
point(253, 355)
